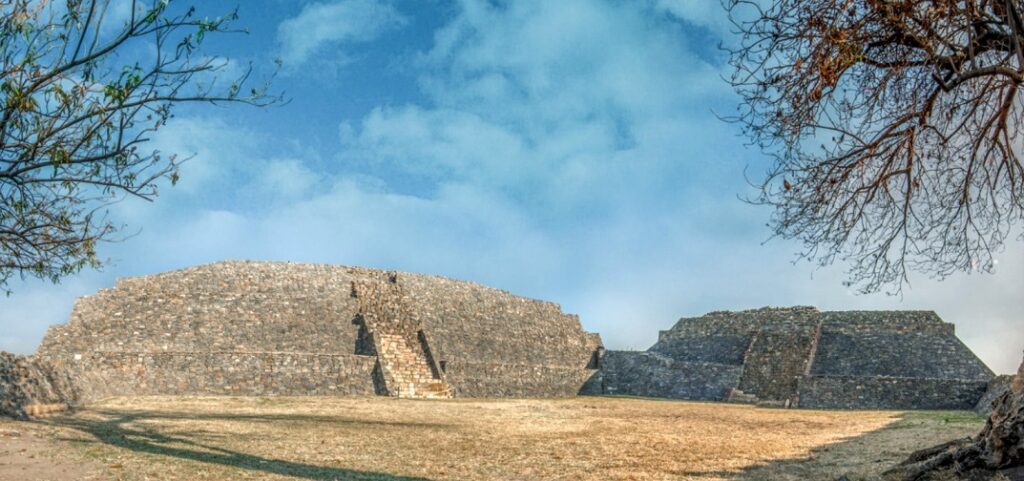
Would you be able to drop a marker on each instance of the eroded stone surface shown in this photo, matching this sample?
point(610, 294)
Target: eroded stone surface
point(32, 387)
point(800, 356)
point(270, 328)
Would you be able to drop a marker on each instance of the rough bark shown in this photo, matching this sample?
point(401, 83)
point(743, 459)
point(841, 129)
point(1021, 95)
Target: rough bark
point(999, 448)
point(1002, 440)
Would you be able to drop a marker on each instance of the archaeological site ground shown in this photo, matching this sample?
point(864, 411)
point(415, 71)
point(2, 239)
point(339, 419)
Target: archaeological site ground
point(388, 439)
point(260, 370)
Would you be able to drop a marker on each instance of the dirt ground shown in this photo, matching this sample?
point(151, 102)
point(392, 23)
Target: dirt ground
point(25, 455)
point(382, 439)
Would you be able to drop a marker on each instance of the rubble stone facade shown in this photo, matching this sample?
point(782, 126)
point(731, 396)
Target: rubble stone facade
point(266, 328)
point(271, 328)
point(31, 387)
point(803, 357)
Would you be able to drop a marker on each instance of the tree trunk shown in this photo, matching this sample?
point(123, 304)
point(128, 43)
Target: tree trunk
point(1002, 440)
point(998, 448)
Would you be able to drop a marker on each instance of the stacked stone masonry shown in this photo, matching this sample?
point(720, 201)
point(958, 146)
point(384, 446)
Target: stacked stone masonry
point(266, 328)
point(804, 357)
point(403, 354)
point(651, 374)
point(31, 387)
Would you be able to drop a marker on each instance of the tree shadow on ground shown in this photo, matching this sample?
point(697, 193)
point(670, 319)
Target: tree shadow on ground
point(114, 429)
point(268, 417)
point(864, 457)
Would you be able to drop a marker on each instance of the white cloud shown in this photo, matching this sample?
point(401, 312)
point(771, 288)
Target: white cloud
point(708, 14)
point(289, 178)
point(202, 143)
point(574, 105)
point(320, 25)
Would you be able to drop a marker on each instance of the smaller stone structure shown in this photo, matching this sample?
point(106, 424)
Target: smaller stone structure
point(800, 356)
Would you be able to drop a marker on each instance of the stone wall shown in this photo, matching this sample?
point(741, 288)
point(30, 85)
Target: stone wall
point(860, 322)
point(30, 386)
point(281, 328)
point(108, 374)
point(231, 306)
point(654, 375)
point(878, 392)
point(717, 349)
point(491, 379)
point(887, 354)
point(740, 323)
point(800, 356)
point(470, 323)
point(778, 357)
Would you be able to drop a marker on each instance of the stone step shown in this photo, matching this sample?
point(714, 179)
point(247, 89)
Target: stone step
point(768, 403)
point(737, 396)
point(434, 389)
point(436, 386)
point(408, 367)
point(43, 410)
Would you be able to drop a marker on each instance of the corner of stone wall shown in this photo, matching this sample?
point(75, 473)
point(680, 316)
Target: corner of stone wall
point(31, 387)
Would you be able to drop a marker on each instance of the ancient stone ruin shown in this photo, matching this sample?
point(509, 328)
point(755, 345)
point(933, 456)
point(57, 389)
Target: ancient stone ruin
point(32, 387)
point(266, 328)
point(804, 357)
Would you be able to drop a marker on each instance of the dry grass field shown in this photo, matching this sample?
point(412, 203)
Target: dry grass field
point(380, 439)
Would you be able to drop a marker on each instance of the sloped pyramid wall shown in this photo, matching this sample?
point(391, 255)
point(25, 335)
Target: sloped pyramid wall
point(502, 345)
point(892, 359)
point(266, 328)
point(803, 357)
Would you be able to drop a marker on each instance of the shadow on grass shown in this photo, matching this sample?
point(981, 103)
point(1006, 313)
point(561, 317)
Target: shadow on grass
point(864, 457)
point(114, 430)
point(271, 418)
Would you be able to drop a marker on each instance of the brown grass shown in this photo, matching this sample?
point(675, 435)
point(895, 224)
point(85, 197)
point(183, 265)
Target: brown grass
point(587, 438)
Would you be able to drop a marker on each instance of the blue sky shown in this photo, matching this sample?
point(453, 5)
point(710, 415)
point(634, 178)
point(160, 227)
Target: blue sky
point(567, 151)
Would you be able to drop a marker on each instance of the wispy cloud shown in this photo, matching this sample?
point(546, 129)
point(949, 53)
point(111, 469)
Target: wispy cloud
point(320, 26)
point(573, 104)
point(706, 14)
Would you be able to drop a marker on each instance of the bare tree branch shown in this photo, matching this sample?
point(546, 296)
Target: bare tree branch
point(894, 126)
point(77, 113)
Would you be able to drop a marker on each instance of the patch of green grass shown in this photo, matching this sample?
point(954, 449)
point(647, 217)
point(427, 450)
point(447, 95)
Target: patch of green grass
point(944, 417)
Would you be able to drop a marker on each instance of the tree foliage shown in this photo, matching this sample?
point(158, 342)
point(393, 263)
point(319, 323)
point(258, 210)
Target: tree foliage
point(895, 127)
point(81, 93)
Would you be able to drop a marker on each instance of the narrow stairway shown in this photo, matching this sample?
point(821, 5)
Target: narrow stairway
point(402, 351)
point(408, 368)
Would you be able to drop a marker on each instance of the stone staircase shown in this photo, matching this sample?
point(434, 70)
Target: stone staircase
point(403, 355)
point(406, 368)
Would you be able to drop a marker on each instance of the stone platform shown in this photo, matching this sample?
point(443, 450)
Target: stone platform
point(267, 328)
point(803, 357)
